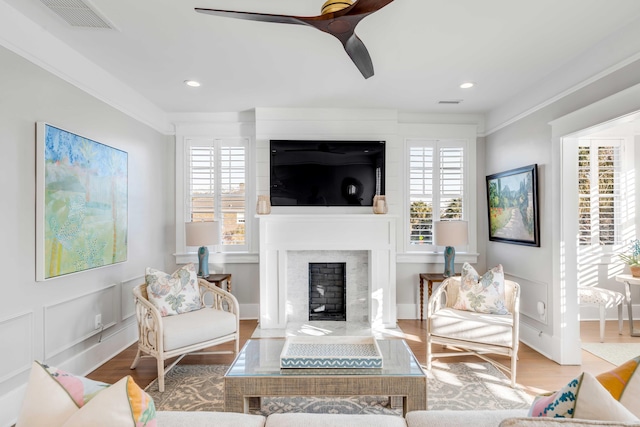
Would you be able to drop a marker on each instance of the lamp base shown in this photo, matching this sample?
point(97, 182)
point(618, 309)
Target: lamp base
point(203, 262)
point(449, 258)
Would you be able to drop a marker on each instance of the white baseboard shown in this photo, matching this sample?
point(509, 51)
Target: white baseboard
point(249, 311)
point(10, 405)
point(81, 364)
point(547, 345)
point(407, 311)
point(95, 356)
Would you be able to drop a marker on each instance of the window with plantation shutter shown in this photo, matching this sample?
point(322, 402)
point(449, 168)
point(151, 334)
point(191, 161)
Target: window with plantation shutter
point(217, 187)
point(436, 187)
point(599, 192)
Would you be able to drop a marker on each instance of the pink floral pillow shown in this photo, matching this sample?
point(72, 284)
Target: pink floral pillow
point(482, 294)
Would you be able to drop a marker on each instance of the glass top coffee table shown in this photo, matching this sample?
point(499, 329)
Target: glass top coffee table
point(256, 373)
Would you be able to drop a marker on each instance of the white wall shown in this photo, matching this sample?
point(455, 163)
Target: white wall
point(335, 123)
point(52, 321)
point(528, 141)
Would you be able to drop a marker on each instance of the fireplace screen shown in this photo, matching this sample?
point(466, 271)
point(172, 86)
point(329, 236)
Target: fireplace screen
point(327, 291)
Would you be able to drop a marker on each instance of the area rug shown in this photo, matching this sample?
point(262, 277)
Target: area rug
point(451, 386)
point(616, 353)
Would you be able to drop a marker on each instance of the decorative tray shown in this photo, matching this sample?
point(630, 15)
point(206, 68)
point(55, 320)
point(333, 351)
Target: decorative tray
point(330, 352)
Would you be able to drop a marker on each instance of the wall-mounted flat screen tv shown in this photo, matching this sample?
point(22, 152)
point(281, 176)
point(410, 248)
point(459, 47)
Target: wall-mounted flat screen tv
point(326, 173)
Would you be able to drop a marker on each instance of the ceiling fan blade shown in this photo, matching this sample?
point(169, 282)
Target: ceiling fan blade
point(359, 54)
point(253, 16)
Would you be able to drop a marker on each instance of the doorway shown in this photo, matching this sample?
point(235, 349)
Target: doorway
point(599, 214)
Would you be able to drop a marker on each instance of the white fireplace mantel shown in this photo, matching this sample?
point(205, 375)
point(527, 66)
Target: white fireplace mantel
point(369, 232)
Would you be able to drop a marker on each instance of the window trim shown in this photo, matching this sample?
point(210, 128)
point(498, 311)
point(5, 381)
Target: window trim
point(183, 135)
point(467, 199)
point(218, 144)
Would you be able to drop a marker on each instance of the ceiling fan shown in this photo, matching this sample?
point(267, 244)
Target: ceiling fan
point(338, 18)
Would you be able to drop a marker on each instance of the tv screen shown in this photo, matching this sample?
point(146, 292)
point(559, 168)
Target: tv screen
point(326, 173)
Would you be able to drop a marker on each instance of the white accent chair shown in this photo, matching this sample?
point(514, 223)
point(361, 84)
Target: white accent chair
point(179, 335)
point(603, 299)
point(471, 333)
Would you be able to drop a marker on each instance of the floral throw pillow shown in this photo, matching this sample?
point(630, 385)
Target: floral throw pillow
point(174, 293)
point(482, 294)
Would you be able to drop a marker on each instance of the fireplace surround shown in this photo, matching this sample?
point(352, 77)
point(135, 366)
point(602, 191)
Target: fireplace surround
point(284, 236)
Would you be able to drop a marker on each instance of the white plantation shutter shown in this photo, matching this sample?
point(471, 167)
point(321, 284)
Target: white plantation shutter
point(451, 182)
point(233, 196)
point(202, 183)
point(217, 187)
point(436, 184)
point(421, 195)
point(599, 191)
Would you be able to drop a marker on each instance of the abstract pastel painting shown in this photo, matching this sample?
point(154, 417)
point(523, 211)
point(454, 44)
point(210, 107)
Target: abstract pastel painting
point(81, 204)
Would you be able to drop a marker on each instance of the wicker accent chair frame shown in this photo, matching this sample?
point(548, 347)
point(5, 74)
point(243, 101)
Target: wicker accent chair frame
point(151, 330)
point(445, 297)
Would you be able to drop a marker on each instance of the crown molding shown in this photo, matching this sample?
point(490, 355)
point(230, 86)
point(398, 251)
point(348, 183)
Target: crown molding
point(606, 57)
point(22, 36)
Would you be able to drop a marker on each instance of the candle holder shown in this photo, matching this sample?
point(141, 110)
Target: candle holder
point(263, 207)
point(379, 204)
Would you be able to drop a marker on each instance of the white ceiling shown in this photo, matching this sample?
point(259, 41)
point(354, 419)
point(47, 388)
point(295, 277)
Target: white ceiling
point(421, 51)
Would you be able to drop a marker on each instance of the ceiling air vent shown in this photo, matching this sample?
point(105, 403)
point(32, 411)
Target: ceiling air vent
point(451, 102)
point(78, 13)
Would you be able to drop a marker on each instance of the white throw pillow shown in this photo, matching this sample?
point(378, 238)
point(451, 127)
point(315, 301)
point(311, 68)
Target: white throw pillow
point(55, 398)
point(122, 404)
point(584, 398)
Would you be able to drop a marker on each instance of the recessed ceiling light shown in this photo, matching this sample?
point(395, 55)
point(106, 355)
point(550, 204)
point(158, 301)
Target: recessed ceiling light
point(466, 85)
point(192, 83)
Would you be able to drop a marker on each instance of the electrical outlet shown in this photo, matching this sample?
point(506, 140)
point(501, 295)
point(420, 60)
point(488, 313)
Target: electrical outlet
point(98, 321)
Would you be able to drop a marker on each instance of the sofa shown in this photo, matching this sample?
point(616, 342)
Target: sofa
point(56, 398)
point(487, 418)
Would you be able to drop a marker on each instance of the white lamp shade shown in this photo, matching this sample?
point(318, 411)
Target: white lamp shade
point(203, 233)
point(451, 233)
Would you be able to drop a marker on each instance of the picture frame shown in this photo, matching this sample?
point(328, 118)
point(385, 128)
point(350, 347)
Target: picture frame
point(81, 203)
point(512, 205)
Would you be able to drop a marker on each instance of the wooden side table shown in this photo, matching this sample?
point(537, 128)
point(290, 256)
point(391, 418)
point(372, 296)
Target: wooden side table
point(217, 280)
point(431, 278)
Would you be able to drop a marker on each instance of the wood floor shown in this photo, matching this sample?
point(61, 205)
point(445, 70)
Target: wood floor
point(536, 373)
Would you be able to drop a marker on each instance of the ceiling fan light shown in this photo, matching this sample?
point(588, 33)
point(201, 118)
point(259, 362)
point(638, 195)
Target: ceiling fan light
point(466, 85)
point(331, 6)
point(192, 83)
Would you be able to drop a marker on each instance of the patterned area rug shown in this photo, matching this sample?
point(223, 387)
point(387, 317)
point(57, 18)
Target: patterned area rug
point(452, 386)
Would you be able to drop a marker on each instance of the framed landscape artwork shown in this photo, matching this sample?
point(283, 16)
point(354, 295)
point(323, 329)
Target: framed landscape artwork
point(81, 203)
point(512, 200)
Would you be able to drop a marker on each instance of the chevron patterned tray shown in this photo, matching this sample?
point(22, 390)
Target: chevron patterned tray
point(331, 352)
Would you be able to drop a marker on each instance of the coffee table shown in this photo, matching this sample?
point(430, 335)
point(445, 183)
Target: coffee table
point(256, 373)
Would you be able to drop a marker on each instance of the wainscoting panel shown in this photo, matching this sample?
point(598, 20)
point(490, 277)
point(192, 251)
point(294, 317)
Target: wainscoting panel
point(126, 296)
point(532, 292)
point(16, 329)
point(67, 323)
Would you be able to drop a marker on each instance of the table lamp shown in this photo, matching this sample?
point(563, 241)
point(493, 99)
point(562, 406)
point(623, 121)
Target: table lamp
point(450, 234)
point(203, 234)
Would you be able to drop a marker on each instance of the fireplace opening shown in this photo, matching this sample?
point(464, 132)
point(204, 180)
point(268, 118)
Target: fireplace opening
point(327, 291)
